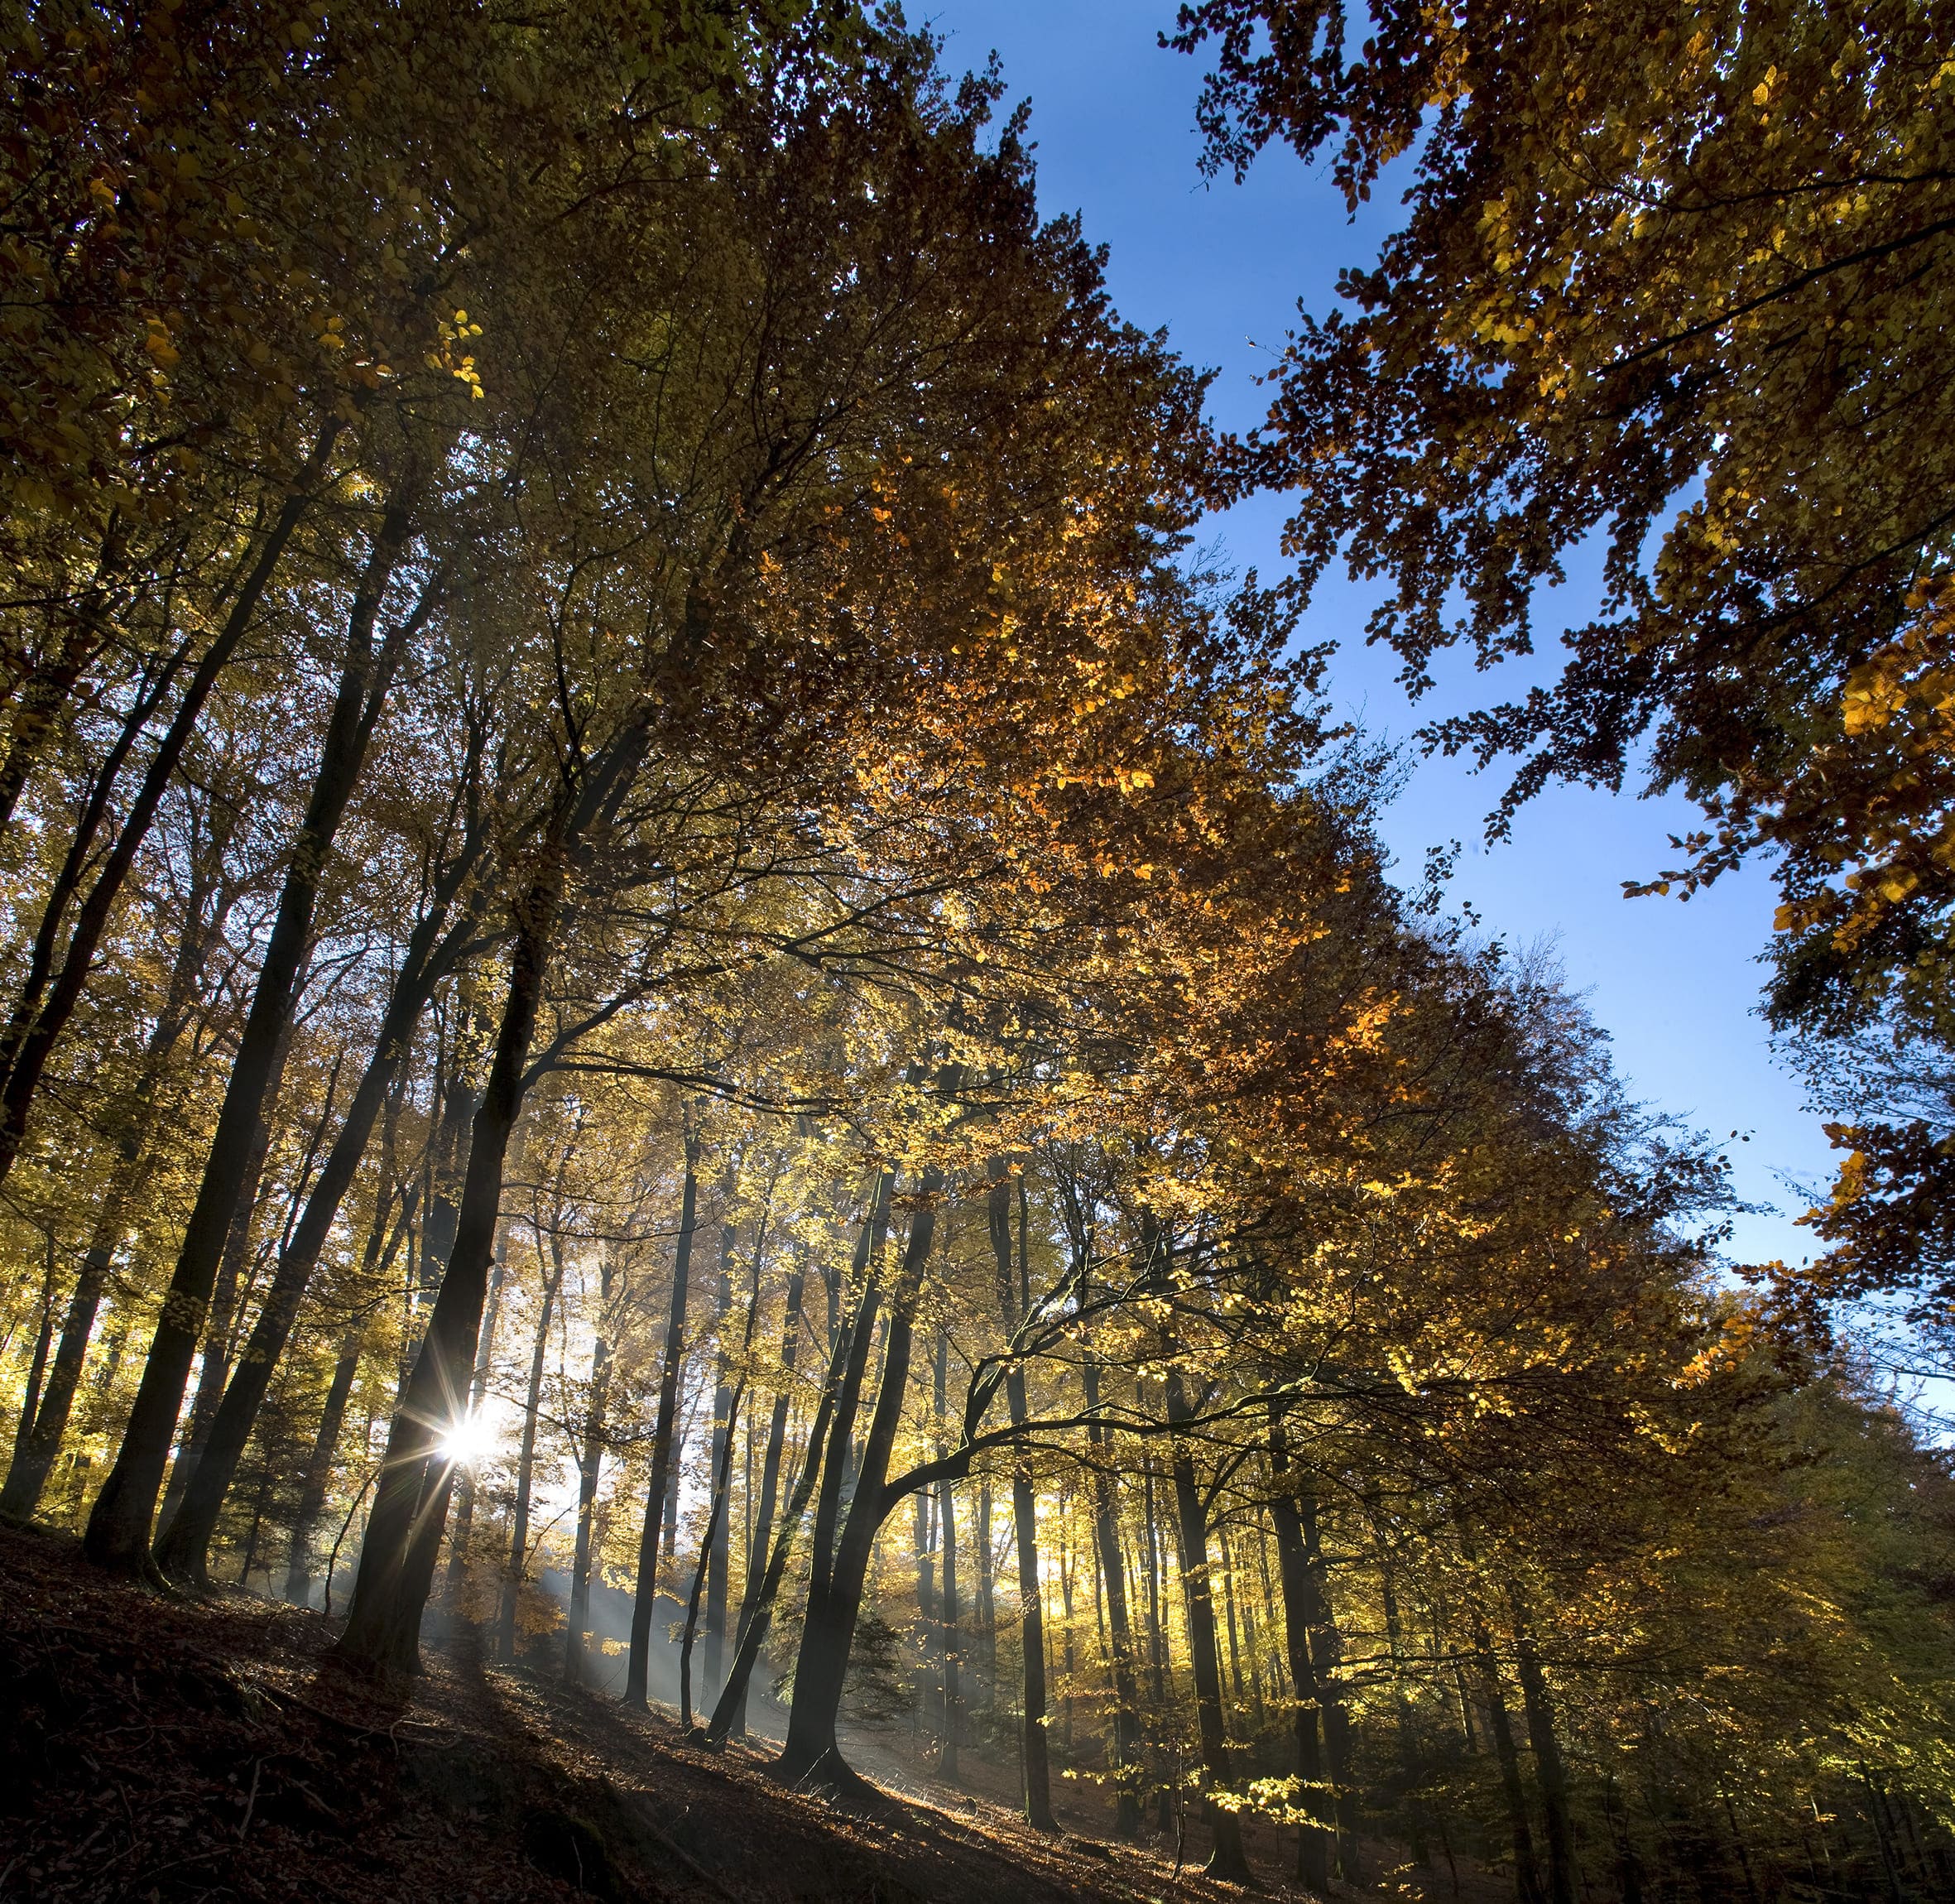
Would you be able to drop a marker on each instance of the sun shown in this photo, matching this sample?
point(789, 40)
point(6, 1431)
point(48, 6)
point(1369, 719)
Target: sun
point(469, 1442)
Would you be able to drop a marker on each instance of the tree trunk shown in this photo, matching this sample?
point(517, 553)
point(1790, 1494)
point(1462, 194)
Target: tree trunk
point(952, 1644)
point(1226, 1860)
point(721, 1480)
point(924, 1560)
point(183, 1550)
point(231, 1285)
point(1065, 1601)
point(1032, 1632)
point(319, 1469)
point(118, 1528)
point(1300, 1607)
point(1230, 1623)
point(854, 1338)
point(410, 1503)
point(763, 1523)
point(1408, 1736)
point(835, 1594)
point(946, 1606)
point(485, 1349)
point(719, 1550)
point(1014, 1299)
point(638, 1672)
point(1527, 1877)
point(1106, 1530)
point(756, 1615)
point(40, 1017)
point(447, 1159)
point(1151, 1566)
point(517, 1570)
point(986, 1610)
point(669, 1541)
point(44, 1337)
point(1326, 1654)
point(853, 1342)
point(28, 1475)
point(1549, 1770)
point(590, 1464)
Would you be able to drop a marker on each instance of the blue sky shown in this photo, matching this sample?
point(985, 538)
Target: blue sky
point(1222, 268)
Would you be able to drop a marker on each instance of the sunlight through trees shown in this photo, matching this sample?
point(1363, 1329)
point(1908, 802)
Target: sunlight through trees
point(686, 1006)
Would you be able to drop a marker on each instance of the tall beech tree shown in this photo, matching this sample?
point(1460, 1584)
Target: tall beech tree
point(119, 1526)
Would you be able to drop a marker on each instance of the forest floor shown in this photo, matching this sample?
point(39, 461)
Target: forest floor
point(159, 1748)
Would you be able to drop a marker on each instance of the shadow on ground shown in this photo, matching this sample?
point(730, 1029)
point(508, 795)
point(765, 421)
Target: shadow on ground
point(168, 1749)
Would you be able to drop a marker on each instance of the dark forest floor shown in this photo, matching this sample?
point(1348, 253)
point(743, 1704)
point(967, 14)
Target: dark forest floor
point(165, 1749)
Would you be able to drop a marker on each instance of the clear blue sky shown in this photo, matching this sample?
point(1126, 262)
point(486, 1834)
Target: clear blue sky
point(1222, 268)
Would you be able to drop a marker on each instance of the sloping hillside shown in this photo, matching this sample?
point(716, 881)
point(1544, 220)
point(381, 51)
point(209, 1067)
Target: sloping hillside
point(162, 1749)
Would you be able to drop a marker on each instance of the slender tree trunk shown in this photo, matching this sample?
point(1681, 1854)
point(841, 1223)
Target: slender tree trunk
point(756, 1615)
point(925, 1559)
point(858, 1335)
point(118, 1528)
point(1527, 1877)
point(1549, 1770)
point(669, 1541)
point(39, 1020)
point(184, 1545)
point(811, 1753)
point(518, 1568)
point(1299, 1606)
point(1234, 1620)
point(1150, 1564)
point(28, 1475)
point(638, 1671)
point(721, 1480)
point(590, 1464)
point(459, 1554)
point(227, 1292)
point(1106, 1529)
point(384, 1236)
point(1226, 1860)
point(1014, 1299)
point(950, 1643)
point(1032, 1632)
point(44, 1338)
point(1065, 1601)
point(258, 1521)
point(34, 1454)
point(1327, 1650)
point(319, 1469)
point(448, 1159)
point(718, 1552)
point(763, 1522)
point(1408, 1738)
point(986, 1610)
point(411, 1502)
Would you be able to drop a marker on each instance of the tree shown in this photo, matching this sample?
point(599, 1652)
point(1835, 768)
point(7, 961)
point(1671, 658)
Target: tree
point(1680, 286)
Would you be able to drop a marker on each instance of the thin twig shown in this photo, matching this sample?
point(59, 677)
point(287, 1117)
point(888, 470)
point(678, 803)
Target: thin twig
point(251, 1804)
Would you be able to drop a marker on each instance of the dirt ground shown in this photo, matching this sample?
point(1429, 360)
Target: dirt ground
point(160, 1749)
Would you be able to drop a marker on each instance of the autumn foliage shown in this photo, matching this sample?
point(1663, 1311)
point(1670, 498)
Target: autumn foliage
point(685, 1008)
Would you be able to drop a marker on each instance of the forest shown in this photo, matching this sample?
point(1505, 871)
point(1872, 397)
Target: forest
point(702, 1038)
